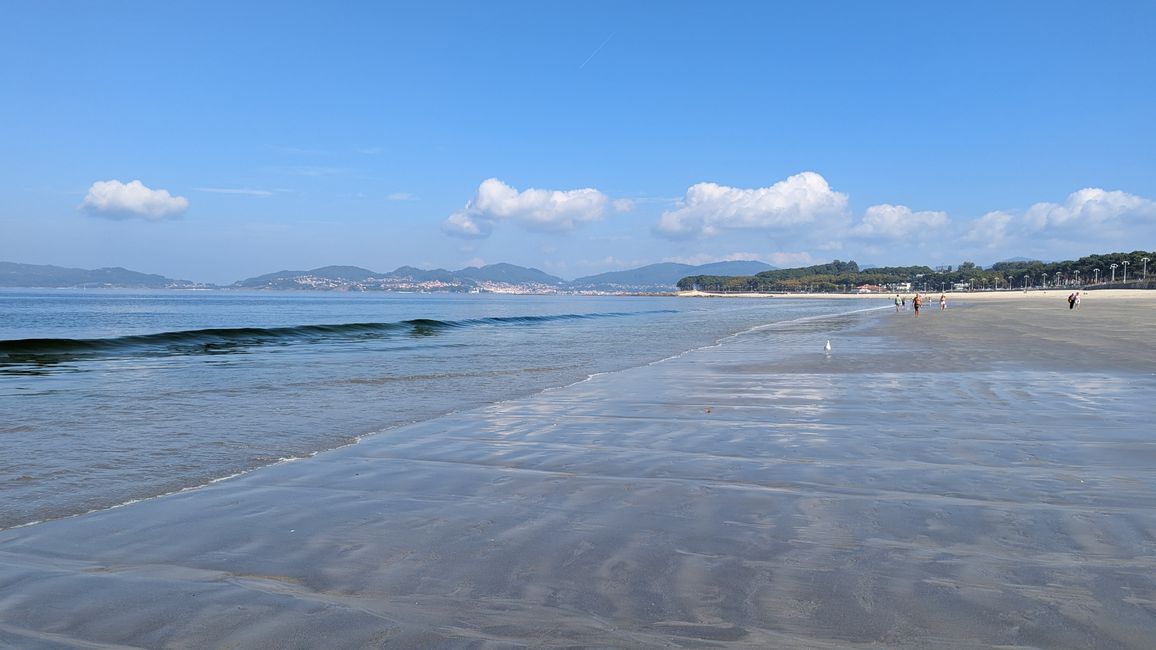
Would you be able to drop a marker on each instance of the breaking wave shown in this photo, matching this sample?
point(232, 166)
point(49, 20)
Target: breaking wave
point(225, 340)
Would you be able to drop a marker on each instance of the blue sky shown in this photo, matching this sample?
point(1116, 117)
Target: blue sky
point(216, 141)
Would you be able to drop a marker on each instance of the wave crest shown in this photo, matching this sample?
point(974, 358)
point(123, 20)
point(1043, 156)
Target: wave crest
point(224, 340)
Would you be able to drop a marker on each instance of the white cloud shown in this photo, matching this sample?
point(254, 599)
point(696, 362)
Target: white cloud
point(990, 230)
point(1089, 219)
point(782, 259)
point(119, 200)
point(709, 208)
point(533, 209)
point(886, 221)
point(610, 263)
point(1091, 206)
point(462, 224)
point(790, 260)
point(707, 258)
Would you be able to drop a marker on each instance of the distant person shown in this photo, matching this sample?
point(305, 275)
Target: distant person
point(904, 303)
point(1071, 301)
point(942, 301)
point(897, 302)
point(1077, 300)
point(917, 302)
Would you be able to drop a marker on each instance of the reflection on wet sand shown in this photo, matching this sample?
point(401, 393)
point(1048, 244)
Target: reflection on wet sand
point(912, 490)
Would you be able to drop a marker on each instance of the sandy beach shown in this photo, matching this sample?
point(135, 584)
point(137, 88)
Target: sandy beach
point(1034, 295)
point(983, 476)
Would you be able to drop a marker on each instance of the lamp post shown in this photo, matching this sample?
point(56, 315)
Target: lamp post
point(1125, 264)
point(1044, 281)
point(1025, 283)
point(1113, 267)
point(1077, 274)
point(1145, 261)
point(1097, 272)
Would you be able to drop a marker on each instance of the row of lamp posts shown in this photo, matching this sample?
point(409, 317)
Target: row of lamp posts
point(1058, 277)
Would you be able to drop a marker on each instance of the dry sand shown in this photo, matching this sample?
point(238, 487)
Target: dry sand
point(979, 477)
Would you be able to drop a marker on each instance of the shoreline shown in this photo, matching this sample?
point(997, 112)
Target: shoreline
point(963, 296)
point(755, 493)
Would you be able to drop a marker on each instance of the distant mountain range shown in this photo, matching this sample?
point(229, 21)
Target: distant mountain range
point(498, 278)
point(495, 277)
point(42, 276)
point(665, 275)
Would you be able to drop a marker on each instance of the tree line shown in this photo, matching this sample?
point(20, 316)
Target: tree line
point(1093, 271)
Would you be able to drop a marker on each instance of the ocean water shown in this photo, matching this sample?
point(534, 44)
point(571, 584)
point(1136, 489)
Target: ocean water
point(112, 396)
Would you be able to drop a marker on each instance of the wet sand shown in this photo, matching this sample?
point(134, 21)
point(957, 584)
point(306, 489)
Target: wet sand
point(980, 477)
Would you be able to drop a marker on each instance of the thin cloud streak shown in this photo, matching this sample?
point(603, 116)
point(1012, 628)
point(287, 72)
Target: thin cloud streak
point(235, 190)
point(597, 50)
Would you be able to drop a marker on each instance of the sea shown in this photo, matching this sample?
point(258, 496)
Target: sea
point(109, 397)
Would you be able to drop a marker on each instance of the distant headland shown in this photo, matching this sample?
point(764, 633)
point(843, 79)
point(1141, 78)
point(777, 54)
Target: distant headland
point(1109, 270)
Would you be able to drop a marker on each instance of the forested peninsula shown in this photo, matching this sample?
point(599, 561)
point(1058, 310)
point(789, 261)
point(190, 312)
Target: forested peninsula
point(1112, 270)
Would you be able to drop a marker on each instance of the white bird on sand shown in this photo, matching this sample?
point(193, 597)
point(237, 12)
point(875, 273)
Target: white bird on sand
point(827, 348)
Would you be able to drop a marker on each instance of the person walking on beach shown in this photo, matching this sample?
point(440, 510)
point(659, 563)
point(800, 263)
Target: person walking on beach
point(942, 301)
point(917, 302)
point(897, 303)
point(1077, 300)
point(1071, 301)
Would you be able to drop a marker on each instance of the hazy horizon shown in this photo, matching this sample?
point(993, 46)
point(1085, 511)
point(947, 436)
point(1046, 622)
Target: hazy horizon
point(215, 142)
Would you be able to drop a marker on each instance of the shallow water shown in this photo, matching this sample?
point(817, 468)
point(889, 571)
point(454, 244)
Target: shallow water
point(111, 396)
point(755, 493)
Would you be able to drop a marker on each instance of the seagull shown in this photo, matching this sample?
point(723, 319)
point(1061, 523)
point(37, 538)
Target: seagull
point(827, 348)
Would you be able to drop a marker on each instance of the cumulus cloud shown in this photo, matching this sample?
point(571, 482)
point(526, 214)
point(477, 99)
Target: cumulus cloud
point(791, 260)
point(119, 200)
point(708, 258)
point(709, 208)
point(990, 230)
point(533, 209)
point(1091, 219)
point(886, 221)
point(609, 263)
point(1090, 206)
